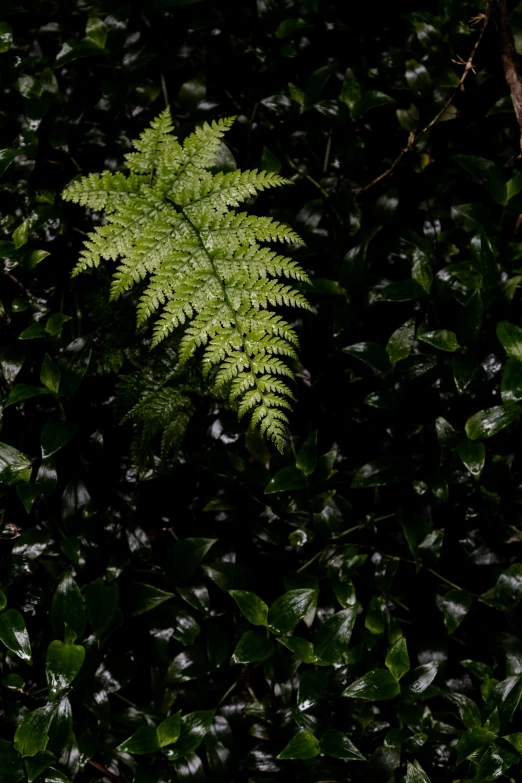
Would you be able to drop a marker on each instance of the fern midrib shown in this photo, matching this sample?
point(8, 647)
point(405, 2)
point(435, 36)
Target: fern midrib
point(236, 319)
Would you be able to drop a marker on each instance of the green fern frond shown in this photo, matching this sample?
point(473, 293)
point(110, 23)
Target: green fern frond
point(158, 400)
point(173, 224)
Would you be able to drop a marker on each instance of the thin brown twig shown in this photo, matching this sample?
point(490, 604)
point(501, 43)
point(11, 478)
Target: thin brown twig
point(414, 138)
point(106, 773)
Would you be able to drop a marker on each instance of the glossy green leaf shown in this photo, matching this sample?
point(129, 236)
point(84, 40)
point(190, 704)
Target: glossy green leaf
point(285, 480)
point(446, 434)
point(31, 544)
point(303, 745)
point(487, 423)
point(27, 494)
point(337, 745)
point(251, 606)
point(376, 685)
point(515, 740)
point(490, 767)
point(186, 555)
point(252, 646)
point(422, 677)
point(397, 659)
point(68, 607)
point(300, 647)
point(511, 384)
point(465, 368)
point(75, 50)
point(401, 341)
point(350, 91)
point(55, 323)
point(468, 710)
point(415, 773)
point(510, 336)
point(487, 173)
point(13, 634)
point(62, 664)
point(35, 765)
point(417, 77)
point(144, 740)
point(34, 257)
point(507, 592)
point(471, 740)
point(506, 698)
point(14, 466)
point(55, 435)
point(32, 733)
point(53, 775)
point(50, 374)
point(372, 354)
point(144, 597)
point(6, 155)
point(96, 30)
point(455, 607)
point(401, 291)
point(372, 99)
point(473, 455)
point(333, 636)
point(421, 270)
point(24, 391)
point(169, 730)
point(194, 727)
point(3, 600)
point(289, 609)
point(33, 332)
point(380, 472)
point(442, 339)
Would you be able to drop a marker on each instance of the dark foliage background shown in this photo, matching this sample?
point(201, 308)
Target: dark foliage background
point(396, 507)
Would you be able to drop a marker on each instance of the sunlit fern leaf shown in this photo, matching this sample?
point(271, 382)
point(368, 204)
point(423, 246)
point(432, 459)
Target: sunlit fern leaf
point(172, 223)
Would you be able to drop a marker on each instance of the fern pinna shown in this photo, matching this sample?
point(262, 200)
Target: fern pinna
point(170, 222)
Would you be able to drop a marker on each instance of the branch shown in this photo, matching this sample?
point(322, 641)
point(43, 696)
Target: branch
point(414, 138)
point(510, 60)
point(106, 773)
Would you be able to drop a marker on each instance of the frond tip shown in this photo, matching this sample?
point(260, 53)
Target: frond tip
point(171, 222)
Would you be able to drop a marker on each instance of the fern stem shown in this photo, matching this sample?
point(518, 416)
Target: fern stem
point(236, 320)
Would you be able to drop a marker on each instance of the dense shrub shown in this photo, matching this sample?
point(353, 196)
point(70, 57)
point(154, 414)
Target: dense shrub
point(346, 609)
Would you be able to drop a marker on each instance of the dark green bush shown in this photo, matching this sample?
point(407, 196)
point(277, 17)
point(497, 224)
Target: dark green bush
point(347, 610)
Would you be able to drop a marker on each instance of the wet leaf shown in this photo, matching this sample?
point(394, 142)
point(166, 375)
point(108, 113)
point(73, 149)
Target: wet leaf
point(13, 634)
point(302, 746)
point(337, 745)
point(377, 685)
point(487, 173)
point(253, 646)
point(455, 607)
point(289, 609)
point(55, 435)
point(252, 607)
point(401, 341)
point(397, 659)
point(473, 455)
point(286, 479)
point(62, 664)
point(372, 354)
point(487, 423)
point(333, 636)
